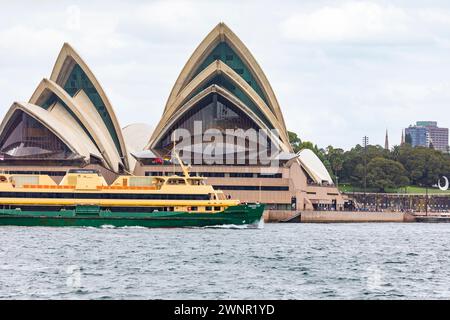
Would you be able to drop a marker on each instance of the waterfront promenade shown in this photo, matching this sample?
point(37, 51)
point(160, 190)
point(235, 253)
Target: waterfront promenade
point(354, 216)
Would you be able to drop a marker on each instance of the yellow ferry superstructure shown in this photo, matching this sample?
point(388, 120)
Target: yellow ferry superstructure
point(84, 198)
point(188, 193)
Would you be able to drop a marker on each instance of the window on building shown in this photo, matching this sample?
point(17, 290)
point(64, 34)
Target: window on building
point(25, 137)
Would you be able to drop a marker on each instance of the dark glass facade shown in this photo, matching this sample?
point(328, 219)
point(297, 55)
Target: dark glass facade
point(227, 84)
point(213, 112)
point(27, 138)
point(78, 80)
point(226, 54)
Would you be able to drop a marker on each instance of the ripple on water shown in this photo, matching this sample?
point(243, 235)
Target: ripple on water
point(281, 261)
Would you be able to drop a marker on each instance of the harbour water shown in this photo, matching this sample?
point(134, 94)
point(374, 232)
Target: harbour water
point(280, 261)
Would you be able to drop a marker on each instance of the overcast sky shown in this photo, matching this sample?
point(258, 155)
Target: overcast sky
point(340, 69)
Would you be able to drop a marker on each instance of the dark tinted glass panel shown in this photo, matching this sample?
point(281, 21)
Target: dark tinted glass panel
point(241, 95)
point(214, 112)
point(225, 53)
point(253, 188)
point(275, 175)
point(78, 80)
point(25, 137)
point(68, 195)
point(241, 175)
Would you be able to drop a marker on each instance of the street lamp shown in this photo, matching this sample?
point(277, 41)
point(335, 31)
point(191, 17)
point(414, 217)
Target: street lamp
point(365, 143)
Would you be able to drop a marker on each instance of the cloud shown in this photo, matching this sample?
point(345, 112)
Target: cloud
point(340, 69)
point(21, 39)
point(170, 15)
point(361, 22)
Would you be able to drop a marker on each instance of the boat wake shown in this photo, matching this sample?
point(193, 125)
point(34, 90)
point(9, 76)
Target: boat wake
point(108, 226)
point(256, 225)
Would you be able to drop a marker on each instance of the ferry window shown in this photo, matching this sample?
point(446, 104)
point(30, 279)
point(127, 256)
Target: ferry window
point(217, 208)
point(194, 208)
point(241, 175)
point(221, 196)
point(208, 208)
point(176, 181)
point(194, 182)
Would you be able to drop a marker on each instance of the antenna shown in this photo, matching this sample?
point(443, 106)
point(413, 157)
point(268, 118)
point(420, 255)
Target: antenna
point(183, 167)
point(173, 151)
point(177, 156)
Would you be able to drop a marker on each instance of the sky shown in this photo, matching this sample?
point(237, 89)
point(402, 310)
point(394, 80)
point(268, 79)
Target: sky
point(340, 69)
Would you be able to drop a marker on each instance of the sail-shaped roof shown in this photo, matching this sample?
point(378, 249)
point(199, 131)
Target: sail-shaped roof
point(314, 166)
point(42, 131)
point(80, 112)
point(74, 76)
point(73, 101)
point(224, 61)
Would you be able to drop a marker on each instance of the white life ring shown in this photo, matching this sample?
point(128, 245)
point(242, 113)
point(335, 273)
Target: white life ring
point(444, 187)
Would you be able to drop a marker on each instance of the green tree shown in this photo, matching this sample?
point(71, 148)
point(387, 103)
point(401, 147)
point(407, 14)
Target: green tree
point(297, 145)
point(295, 141)
point(395, 153)
point(385, 173)
point(424, 165)
point(421, 166)
point(320, 153)
point(335, 158)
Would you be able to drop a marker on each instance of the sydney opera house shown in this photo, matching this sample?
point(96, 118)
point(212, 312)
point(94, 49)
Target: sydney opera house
point(69, 122)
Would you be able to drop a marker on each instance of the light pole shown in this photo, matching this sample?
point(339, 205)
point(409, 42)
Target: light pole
point(365, 143)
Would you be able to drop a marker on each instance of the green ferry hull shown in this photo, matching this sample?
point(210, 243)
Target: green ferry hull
point(248, 214)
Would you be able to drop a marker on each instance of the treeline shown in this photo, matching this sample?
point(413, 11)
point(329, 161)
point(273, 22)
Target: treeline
point(386, 169)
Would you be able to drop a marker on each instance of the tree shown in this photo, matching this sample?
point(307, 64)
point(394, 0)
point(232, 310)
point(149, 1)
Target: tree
point(421, 166)
point(335, 158)
point(395, 153)
point(424, 165)
point(297, 145)
point(320, 153)
point(295, 141)
point(385, 173)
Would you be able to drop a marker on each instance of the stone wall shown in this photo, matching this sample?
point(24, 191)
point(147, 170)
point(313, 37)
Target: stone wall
point(278, 215)
point(353, 216)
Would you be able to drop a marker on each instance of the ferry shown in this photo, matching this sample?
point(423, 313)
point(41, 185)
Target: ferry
point(84, 199)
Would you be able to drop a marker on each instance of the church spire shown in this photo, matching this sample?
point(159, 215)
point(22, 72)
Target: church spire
point(386, 141)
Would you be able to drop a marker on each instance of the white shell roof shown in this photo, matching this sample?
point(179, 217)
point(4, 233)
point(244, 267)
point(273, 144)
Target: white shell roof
point(315, 168)
point(136, 136)
point(65, 132)
point(144, 154)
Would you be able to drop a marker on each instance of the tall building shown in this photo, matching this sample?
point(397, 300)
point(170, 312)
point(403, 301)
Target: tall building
point(70, 123)
point(426, 134)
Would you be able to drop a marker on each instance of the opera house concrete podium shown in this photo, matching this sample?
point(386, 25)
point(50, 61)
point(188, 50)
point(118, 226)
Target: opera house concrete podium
point(70, 123)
